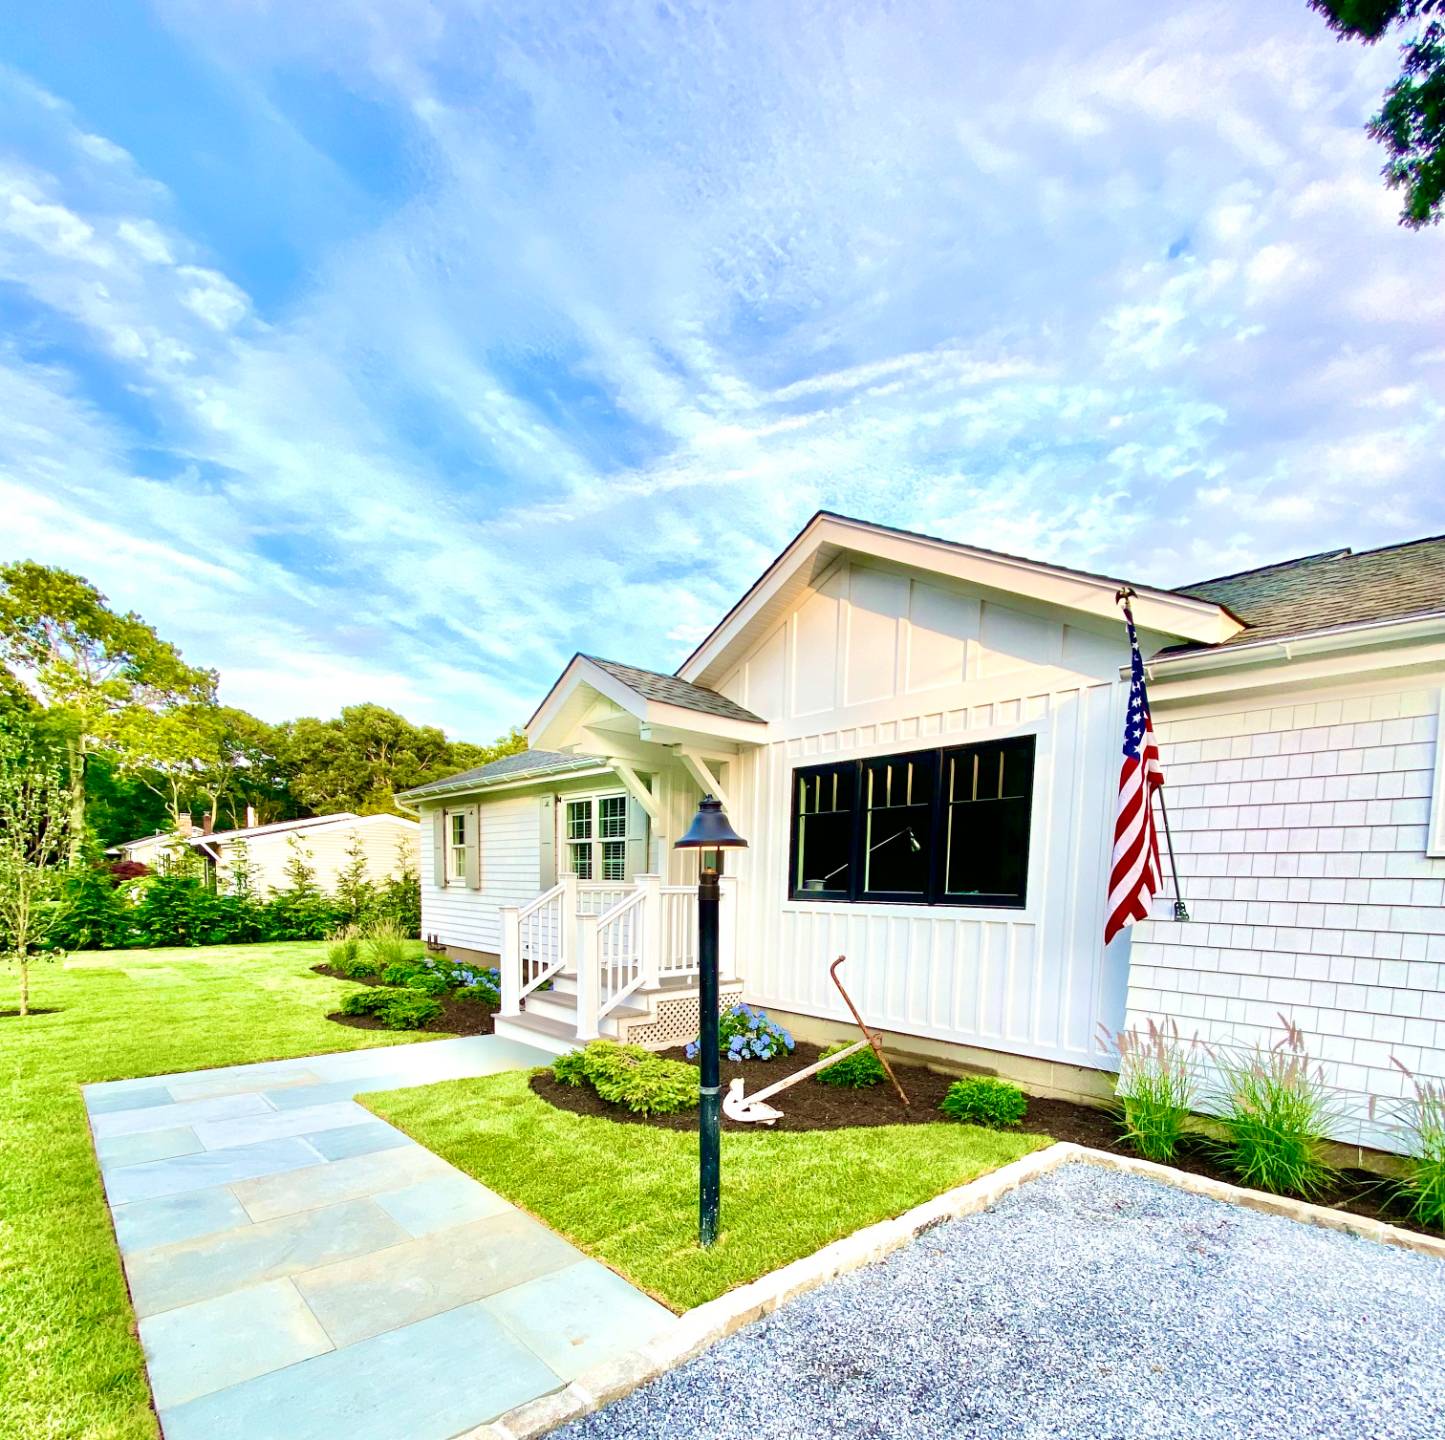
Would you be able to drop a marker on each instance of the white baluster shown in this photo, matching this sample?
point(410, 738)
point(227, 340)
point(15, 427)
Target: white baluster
point(652, 937)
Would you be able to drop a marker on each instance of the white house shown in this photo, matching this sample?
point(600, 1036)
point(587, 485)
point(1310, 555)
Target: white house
point(921, 742)
point(389, 844)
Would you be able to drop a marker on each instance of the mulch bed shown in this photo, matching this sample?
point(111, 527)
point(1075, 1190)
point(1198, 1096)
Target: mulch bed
point(458, 1016)
point(811, 1105)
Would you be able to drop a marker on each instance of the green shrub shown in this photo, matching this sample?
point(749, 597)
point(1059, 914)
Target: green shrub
point(857, 1072)
point(1156, 1090)
point(1423, 1187)
point(630, 1076)
point(430, 982)
point(406, 1009)
point(1276, 1112)
point(363, 1002)
point(982, 1100)
point(358, 967)
point(571, 1068)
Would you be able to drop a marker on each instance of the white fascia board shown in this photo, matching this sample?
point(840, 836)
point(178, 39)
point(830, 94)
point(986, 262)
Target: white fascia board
point(581, 671)
point(667, 723)
point(484, 791)
point(1158, 610)
point(1316, 658)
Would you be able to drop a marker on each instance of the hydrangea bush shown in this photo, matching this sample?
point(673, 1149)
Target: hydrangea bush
point(747, 1034)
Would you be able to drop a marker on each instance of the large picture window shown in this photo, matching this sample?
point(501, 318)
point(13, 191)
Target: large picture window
point(929, 827)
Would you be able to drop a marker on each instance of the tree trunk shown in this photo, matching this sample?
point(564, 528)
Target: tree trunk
point(75, 757)
point(24, 987)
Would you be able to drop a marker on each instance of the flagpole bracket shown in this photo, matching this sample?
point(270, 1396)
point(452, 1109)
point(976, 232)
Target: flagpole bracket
point(1181, 911)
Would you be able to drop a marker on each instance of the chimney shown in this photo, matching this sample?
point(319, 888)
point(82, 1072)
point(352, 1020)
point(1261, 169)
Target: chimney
point(250, 817)
point(208, 823)
point(183, 824)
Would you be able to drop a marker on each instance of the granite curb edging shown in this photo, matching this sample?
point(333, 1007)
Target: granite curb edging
point(700, 1328)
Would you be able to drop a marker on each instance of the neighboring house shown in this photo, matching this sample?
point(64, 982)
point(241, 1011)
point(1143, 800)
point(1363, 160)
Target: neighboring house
point(325, 843)
point(921, 742)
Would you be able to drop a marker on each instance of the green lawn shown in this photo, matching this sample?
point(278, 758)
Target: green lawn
point(628, 1193)
point(70, 1365)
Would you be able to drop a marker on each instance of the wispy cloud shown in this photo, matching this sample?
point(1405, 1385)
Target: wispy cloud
point(594, 306)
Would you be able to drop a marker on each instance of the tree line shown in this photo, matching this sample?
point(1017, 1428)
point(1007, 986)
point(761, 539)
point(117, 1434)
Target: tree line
point(142, 738)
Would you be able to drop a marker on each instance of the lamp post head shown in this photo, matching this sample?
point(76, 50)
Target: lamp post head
point(710, 829)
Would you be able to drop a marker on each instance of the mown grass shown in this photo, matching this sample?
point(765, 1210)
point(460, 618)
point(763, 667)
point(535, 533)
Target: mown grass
point(70, 1365)
point(627, 1194)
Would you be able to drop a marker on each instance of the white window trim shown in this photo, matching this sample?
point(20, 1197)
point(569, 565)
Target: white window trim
point(1435, 835)
point(596, 840)
point(456, 875)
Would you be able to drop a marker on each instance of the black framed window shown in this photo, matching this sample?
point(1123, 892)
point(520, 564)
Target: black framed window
point(987, 798)
point(823, 800)
point(897, 840)
point(927, 827)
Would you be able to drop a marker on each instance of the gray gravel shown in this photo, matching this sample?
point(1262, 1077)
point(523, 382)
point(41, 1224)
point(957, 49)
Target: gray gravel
point(1089, 1305)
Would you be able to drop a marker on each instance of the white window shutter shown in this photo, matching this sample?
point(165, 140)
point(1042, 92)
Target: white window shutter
point(474, 847)
point(439, 846)
point(636, 855)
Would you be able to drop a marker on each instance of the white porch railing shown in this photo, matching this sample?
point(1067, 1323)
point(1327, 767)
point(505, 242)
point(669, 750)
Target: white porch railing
point(618, 940)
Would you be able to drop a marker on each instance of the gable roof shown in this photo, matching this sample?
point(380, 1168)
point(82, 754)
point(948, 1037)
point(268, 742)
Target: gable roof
point(526, 764)
point(276, 827)
point(1332, 589)
point(829, 535)
point(653, 685)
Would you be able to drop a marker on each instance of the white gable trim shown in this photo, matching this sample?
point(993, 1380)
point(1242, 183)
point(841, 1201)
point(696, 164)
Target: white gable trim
point(827, 536)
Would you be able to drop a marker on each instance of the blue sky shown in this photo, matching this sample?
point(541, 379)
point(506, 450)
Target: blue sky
point(395, 351)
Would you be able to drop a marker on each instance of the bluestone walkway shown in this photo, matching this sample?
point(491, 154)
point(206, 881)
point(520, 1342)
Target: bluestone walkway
point(301, 1269)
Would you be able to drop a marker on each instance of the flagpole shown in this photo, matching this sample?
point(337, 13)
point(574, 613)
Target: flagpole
point(1181, 910)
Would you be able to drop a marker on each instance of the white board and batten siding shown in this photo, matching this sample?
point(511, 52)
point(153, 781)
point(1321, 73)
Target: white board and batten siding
point(876, 661)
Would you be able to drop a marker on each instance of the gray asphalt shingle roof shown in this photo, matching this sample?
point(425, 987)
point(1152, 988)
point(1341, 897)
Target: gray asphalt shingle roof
point(510, 767)
point(1337, 587)
point(671, 691)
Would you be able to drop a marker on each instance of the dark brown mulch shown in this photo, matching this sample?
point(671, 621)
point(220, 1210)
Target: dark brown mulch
point(811, 1105)
point(458, 1016)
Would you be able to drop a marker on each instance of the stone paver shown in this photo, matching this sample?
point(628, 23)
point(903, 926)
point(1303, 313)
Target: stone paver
point(302, 1269)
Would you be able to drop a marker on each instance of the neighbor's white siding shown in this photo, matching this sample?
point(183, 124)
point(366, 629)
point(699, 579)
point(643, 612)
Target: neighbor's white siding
point(385, 840)
point(511, 867)
point(876, 661)
point(1300, 826)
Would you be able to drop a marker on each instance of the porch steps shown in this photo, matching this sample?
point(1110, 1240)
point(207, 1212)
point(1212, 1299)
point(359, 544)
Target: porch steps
point(537, 1031)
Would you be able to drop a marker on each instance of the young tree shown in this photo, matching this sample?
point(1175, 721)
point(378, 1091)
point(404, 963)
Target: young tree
point(60, 637)
point(35, 821)
point(1411, 122)
point(353, 887)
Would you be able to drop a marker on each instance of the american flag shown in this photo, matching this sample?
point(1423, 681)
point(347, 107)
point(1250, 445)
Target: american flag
point(1134, 878)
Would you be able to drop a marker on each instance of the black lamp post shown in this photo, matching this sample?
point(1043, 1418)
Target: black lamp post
point(710, 833)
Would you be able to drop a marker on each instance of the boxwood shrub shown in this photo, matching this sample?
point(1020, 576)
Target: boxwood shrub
point(983, 1100)
point(630, 1076)
point(857, 1072)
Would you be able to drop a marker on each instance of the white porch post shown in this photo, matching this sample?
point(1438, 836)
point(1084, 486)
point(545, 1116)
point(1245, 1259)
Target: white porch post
point(511, 964)
point(589, 978)
point(567, 925)
point(652, 936)
point(727, 926)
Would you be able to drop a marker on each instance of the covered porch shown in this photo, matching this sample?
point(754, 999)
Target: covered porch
point(607, 954)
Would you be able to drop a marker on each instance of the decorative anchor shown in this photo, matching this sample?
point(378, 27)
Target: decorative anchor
point(753, 1109)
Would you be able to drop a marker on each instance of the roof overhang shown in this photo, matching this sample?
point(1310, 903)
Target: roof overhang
point(575, 688)
point(528, 780)
point(827, 536)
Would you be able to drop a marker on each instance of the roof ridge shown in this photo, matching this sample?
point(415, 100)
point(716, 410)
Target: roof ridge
point(1273, 565)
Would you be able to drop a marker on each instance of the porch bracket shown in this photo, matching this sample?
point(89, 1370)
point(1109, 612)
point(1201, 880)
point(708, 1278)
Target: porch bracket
point(639, 792)
point(700, 771)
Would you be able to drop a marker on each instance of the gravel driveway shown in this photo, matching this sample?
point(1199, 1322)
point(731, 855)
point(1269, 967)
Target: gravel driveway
point(1089, 1305)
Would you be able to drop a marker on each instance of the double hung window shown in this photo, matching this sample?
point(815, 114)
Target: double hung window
point(596, 837)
